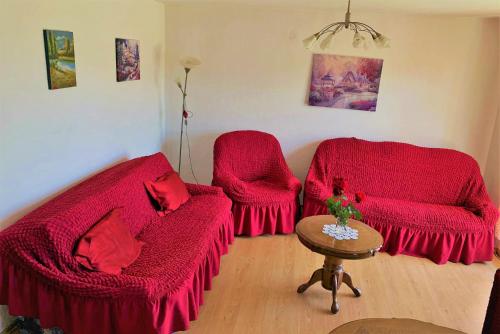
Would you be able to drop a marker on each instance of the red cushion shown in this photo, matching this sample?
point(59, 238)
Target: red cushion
point(108, 246)
point(169, 191)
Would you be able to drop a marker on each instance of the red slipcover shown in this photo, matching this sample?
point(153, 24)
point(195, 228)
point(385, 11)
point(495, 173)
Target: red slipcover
point(159, 293)
point(426, 202)
point(250, 167)
point(492, 320)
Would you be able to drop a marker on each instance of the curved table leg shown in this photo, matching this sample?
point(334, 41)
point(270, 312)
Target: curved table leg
point(346, 278)
point(316, 277)
point(336, 282)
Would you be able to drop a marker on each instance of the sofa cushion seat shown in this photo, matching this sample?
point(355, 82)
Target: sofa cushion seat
point(264, 192)
point(177, 243)
point(428, 216)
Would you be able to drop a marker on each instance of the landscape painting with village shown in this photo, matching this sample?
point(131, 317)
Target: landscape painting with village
point(127, 59)
point(60, 58)
point(345, 82)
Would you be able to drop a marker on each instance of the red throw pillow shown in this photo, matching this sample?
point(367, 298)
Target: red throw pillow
point(108, 246)
point(169, 191)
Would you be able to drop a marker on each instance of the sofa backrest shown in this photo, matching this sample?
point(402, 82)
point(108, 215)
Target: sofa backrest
point(396, 170)
point(249, 155)
point(62, 221)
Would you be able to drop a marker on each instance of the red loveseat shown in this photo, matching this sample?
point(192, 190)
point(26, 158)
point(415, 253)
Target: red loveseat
point(426, 202)
point(159, 293)
point(250, 167)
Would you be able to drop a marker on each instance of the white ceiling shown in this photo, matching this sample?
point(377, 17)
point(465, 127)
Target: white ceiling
point(445, 7)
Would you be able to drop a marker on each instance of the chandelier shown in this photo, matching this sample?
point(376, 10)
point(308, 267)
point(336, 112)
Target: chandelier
point(360, 30)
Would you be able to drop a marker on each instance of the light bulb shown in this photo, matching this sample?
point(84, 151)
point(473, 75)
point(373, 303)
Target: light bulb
point(190, 62)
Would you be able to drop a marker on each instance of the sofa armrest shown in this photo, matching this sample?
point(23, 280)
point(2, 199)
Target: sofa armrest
point(317, 191)
point(294, 184)
point(478, 201)
point(202, 189)
point(290, 182)
point(487, 211)
point(230, 183)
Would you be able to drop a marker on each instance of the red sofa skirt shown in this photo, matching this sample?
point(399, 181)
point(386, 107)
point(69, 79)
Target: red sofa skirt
point(252, 220)
point(439, 247)
point(28, 296)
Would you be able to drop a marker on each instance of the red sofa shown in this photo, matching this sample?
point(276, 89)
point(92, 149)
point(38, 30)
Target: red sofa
point(250, 167)
point(426, 202)
point(159, 293)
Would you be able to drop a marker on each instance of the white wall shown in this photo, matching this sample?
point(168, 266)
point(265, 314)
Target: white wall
point(438, 80)
point(52, 139)
point(494, 156)
point(492, 175)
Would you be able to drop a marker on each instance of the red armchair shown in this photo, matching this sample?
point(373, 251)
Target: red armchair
point(426, 202)
point(250, 167)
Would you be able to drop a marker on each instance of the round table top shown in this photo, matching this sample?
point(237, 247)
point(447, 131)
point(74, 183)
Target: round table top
point(310, 233)
point(384, 326)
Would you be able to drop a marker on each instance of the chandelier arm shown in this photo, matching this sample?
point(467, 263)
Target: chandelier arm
point(369, 29)
point(359, 28)
point(333, 31)
point(352, 26)
point(337, 29)
point(328, 27)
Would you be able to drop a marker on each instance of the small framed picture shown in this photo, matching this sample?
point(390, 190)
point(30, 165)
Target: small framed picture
point(60, 58)
point(127, 60)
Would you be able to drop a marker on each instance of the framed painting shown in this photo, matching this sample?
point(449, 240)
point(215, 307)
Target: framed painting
point(60, 58)
point(127, 60)
point(345, 82)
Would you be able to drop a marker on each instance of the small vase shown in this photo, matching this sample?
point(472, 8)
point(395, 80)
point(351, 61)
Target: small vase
point(342, 224)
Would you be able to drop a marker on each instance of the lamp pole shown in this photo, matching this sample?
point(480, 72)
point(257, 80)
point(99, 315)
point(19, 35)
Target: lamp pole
point(183, 117)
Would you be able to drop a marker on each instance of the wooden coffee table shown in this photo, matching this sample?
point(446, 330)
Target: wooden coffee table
point(384, 326)
point(332, 275)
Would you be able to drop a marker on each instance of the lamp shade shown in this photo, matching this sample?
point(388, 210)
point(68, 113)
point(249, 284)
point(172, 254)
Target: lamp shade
point(381, 41)
point(358, 40)
point(190, 62)
point(309, 41)
point(326, 42)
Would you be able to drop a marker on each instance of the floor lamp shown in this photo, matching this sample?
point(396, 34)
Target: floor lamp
point(188, 63)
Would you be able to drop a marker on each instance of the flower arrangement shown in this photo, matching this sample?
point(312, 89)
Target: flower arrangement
point(340, 206)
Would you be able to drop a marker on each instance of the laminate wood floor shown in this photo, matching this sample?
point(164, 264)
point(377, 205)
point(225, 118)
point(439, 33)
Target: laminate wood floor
point(255, 291)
